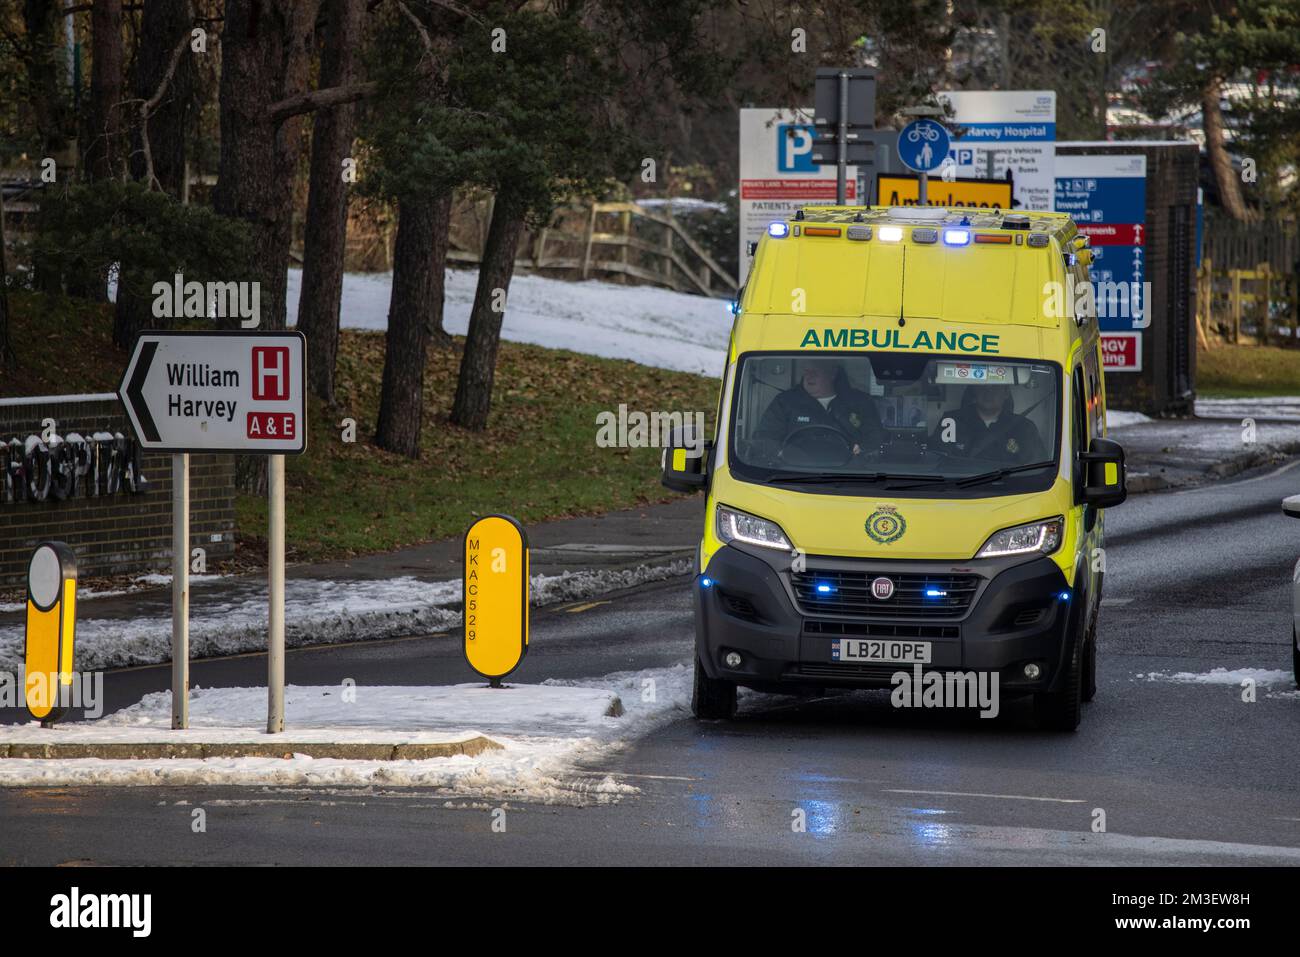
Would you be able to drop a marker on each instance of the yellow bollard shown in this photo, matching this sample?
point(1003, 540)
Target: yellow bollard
point(51, 628)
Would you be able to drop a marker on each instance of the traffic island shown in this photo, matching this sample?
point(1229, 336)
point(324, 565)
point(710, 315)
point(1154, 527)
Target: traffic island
point(519, 740)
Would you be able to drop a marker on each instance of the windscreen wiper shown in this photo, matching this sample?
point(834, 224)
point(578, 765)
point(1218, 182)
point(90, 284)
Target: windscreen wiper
point(861, 478)
point(996, 474)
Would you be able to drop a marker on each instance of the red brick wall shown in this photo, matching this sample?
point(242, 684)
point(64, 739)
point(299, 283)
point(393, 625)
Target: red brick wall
point(120, 533)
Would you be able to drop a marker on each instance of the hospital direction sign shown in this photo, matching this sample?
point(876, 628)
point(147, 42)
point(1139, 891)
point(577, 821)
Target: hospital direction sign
point(217, 392)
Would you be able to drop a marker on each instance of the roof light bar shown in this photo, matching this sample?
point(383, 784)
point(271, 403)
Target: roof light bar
point(956, 237)
point(778, 230)
point(925, 235)
point(1001, 239)
point(821, 231)
point(891, 234)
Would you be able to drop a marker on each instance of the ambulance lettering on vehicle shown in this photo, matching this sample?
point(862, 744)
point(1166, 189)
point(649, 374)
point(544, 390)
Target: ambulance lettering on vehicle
point(927, 437)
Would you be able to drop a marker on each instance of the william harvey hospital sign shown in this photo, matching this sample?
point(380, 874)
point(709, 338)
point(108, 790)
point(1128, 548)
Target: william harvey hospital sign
point(217, 392)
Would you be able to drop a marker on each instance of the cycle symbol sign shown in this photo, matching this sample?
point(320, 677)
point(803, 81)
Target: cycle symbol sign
point(923, 145)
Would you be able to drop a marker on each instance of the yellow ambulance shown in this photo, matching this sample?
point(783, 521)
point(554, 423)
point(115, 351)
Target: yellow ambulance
point(909, 466)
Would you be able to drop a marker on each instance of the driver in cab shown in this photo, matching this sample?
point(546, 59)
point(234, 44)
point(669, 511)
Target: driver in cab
point(986, 427)
point(825, 399)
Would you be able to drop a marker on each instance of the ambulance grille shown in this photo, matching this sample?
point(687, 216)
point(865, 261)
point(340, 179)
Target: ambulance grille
point(915, 595)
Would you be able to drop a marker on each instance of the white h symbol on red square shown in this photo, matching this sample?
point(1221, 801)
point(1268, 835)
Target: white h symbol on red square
point(270, 373)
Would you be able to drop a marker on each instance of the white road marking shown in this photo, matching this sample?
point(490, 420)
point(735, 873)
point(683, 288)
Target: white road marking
point(1106, 602)
point(977, 794)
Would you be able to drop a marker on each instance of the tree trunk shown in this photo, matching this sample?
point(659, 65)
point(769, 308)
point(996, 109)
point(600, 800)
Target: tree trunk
point(478, 364)
point(163, 24)
point(414, 309)
point(46, 91)
point(327, 201)
point(7, 359)
point(103, 148)
point(1225, 177)
point(264, 50)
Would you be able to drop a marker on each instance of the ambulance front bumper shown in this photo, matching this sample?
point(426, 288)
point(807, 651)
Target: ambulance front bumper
point(1012, 612)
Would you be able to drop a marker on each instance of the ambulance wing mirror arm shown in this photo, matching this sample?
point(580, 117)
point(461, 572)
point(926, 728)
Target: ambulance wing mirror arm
point(1104, 480)
point(684, 466)
point(1291, 506)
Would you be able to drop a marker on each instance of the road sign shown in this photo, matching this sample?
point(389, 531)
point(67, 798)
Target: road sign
point(894, 189)
point(1006, 134)
point(1106, 196)
point(861, 101)
point(51, 628)
point(218, 392)
point(923, 145)
point(496, 596)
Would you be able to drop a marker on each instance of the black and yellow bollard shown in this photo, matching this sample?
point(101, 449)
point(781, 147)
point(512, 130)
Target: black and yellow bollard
point(51, 628)
point(496, 596)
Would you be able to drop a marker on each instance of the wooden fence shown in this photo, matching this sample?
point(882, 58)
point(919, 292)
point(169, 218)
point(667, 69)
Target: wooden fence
point(1256, 306)
point(623, 242)
point(1235, 245)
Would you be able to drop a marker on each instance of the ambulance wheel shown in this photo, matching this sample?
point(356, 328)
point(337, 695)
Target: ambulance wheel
point(1061, 710)
point(712, 698)
point(1295, 658)
point(1090, 664)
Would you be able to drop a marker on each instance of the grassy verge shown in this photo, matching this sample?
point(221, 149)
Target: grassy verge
point(1234, 372)
point(537, 460)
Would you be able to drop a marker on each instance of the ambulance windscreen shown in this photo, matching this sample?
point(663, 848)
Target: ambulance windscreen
point(891, 417)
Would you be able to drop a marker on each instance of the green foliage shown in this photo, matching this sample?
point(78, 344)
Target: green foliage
point(89, 228)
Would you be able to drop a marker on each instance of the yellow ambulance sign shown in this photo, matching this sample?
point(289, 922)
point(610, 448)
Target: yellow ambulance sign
point(496, 596)
point(896, 190)
point(51, 628)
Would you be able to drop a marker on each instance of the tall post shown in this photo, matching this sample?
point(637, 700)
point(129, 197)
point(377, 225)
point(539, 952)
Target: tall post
point(181, 590)
point(275, 606)
point(842, 143)
point(923, 191)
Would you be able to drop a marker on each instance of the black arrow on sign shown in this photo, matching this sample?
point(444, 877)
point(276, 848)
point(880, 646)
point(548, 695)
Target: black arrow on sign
point(135, 392)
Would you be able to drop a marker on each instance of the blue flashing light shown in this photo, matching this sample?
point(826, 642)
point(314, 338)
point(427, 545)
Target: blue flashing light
point(824, 589)
point(1064, 596)
point(935, 593)
point(733, 306)
point(706, 582)
point(956, 237)
point(778, 230)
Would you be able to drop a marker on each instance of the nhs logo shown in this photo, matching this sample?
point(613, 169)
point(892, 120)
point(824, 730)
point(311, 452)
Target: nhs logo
point(794, 143)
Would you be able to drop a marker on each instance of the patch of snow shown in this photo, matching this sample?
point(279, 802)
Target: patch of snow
point(652, 326)
point(1118, 418)
point(1222, 676)
point(547, 732)
point(1278, 407)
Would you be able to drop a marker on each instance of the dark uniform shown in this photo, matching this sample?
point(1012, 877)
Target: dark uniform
point(1010, 438)
point(852, 413)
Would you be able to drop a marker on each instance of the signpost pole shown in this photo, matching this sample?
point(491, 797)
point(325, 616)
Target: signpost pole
point(275, 606)
point(922, 189)
point(181, 590)
point(842, 144)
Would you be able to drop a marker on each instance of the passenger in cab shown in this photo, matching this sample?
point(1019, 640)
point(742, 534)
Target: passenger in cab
point(987, 427)
point(824, 397)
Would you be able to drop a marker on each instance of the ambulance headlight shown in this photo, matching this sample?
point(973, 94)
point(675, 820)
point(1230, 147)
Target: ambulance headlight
point(1043, 537)
point(736, 526)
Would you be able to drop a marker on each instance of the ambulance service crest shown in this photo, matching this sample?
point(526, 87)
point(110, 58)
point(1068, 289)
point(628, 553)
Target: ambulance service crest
point(885, 525)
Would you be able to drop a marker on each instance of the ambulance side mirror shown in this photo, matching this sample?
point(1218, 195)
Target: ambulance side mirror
point(683, 466)
point(1104, 481)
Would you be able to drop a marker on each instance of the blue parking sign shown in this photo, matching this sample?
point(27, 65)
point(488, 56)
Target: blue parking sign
point(923, 145)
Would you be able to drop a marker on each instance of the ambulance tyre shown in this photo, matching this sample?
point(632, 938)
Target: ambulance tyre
point(1090, 663)
point(1061, 710)
point(712, 698)
point(1295, 658)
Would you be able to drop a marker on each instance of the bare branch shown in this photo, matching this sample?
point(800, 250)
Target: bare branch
point(301, 103)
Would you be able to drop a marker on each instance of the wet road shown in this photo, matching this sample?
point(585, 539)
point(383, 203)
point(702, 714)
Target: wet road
point(1179, 772)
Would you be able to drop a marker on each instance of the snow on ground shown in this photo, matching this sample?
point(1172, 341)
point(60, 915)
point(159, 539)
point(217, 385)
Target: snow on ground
point(656, 327)
point(1223, 676)
point(1118, 418)
point(231, 618)
point(1276, 407)
point(547, 731)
